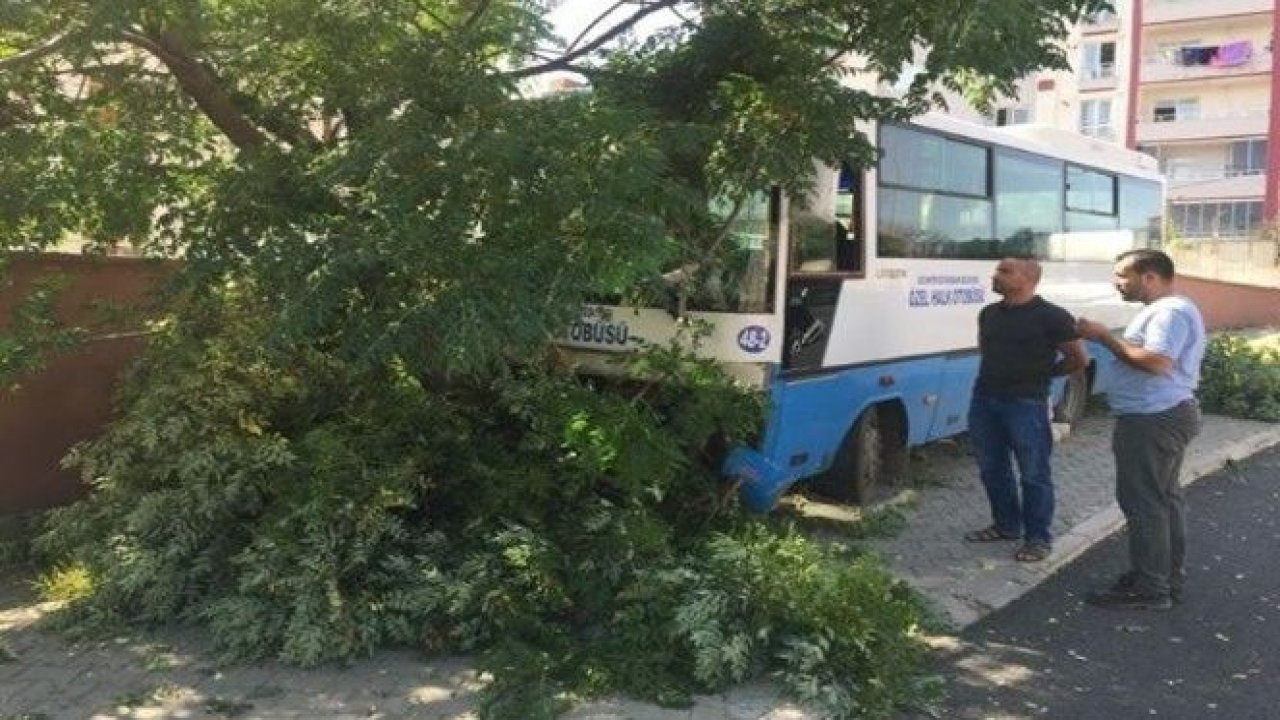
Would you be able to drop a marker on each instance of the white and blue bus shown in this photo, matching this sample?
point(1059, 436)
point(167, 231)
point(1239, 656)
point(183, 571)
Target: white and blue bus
point(855, 308)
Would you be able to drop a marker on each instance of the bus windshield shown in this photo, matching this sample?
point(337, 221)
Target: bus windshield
point(732, 271)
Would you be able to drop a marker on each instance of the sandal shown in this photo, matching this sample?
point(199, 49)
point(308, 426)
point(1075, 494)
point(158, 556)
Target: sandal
point(988, 534)
point(1033, 552)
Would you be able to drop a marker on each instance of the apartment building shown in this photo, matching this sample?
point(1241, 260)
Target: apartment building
point(1190, 82)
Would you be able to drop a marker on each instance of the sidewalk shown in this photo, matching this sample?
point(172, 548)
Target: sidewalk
point(969, 580)
point(175, 675)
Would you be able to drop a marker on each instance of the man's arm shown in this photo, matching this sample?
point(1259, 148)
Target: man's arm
point(1134, 355)
point(1074, 358)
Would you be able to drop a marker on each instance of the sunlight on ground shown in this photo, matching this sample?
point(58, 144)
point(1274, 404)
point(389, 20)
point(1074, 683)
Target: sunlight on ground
point(22, 617)
point(995, 672)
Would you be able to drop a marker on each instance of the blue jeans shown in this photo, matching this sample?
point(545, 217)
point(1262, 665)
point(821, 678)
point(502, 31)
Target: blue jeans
point(1006, 429)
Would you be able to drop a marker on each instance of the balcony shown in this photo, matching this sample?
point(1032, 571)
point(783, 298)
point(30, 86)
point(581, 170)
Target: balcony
point(1157, 68)
point(1161, 68)
point(1156, 12)
point(1215, 182)
point(1098, 77)
point(1248, 121)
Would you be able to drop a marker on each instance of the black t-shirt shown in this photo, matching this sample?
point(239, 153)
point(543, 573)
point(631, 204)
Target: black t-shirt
point(1019, 345)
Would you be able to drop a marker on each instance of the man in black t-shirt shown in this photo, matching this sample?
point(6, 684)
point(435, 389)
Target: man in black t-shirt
point(1024, 342)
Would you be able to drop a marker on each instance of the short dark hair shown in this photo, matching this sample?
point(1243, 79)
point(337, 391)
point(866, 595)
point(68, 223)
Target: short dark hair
point(1145, 260)
point(1031, 261)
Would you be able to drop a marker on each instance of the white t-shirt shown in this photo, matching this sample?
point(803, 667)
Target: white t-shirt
point(1171, 326)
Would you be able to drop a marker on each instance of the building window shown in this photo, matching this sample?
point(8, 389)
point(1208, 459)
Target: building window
point(1227, 219)
point(1012, 116)
point(1247, 157)
point(1176, 110)
point(1100, 17)
point(1098, 60)
point(1095, 119)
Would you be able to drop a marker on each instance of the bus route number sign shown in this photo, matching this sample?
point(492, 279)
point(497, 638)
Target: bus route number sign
point(754, 339)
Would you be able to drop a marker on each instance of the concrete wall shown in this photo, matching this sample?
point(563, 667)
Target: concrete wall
point(70, 400)
point(1240, 261)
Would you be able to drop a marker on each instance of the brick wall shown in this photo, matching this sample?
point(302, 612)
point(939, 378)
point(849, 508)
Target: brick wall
point(1228, 305)
point(70, 400)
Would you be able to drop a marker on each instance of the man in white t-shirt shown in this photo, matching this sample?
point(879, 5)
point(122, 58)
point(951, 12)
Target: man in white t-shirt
point(1152, 396)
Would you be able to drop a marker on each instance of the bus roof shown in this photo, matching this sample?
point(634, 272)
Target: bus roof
point(1052, 142)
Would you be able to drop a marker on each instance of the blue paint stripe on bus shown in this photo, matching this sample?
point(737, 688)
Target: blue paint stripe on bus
point(809, 417)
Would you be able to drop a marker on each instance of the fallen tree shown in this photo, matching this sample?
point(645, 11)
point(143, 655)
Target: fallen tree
point(346, 434)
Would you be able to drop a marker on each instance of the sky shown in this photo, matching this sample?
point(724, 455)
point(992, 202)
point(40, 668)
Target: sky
point(573, 16)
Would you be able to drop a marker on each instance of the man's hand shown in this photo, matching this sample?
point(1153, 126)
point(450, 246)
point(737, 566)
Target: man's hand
point(1091, 329)
point(1135, 355)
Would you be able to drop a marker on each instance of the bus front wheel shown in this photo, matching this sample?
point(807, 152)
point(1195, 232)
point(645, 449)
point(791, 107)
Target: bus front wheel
point(871, 459)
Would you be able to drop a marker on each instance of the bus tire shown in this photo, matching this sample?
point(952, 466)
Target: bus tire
point(871, 459)
point(1075, 396)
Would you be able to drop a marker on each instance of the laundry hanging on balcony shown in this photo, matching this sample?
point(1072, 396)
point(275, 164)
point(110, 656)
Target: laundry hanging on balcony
point(1198, 55)
point(1226, 55)
point(1233, 53)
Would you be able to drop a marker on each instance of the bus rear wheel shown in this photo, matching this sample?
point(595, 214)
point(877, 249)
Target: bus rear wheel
point(871, 462)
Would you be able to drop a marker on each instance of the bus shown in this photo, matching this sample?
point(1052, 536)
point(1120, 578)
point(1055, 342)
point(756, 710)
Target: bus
point(854, 307)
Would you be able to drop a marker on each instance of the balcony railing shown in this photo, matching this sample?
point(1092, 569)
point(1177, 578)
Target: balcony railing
point(1244, 112)
point(1245, 121)
point(1247, 260)
point(1101, 132)
point(1101, 71)
point(1211, 172)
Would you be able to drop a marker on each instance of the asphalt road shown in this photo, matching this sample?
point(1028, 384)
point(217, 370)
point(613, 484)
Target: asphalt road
point(1217, 655)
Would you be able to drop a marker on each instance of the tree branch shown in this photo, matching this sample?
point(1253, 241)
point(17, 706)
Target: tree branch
point(594, 23)
point(566, 61)
point(202, 85)
point(476, 14)
point(50, 46)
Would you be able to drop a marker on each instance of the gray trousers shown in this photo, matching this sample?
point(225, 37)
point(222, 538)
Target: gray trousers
point(1149, 451)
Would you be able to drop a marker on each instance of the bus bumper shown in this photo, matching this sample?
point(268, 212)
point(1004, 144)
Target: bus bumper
point(760, 482)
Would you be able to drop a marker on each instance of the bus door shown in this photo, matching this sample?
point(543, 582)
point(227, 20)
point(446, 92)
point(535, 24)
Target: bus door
point(827, 247)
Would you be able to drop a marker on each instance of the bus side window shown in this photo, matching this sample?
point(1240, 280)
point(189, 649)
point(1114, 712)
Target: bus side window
point(850, 235)
point(826, 225)
point(812, 239)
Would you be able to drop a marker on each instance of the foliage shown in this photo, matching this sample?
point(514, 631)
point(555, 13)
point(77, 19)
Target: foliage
point(278, 505)
point(67, 583)
point(375, 169)
point(349, 433)
point(1240, 378)
point(16, 532)
point(33, 333)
